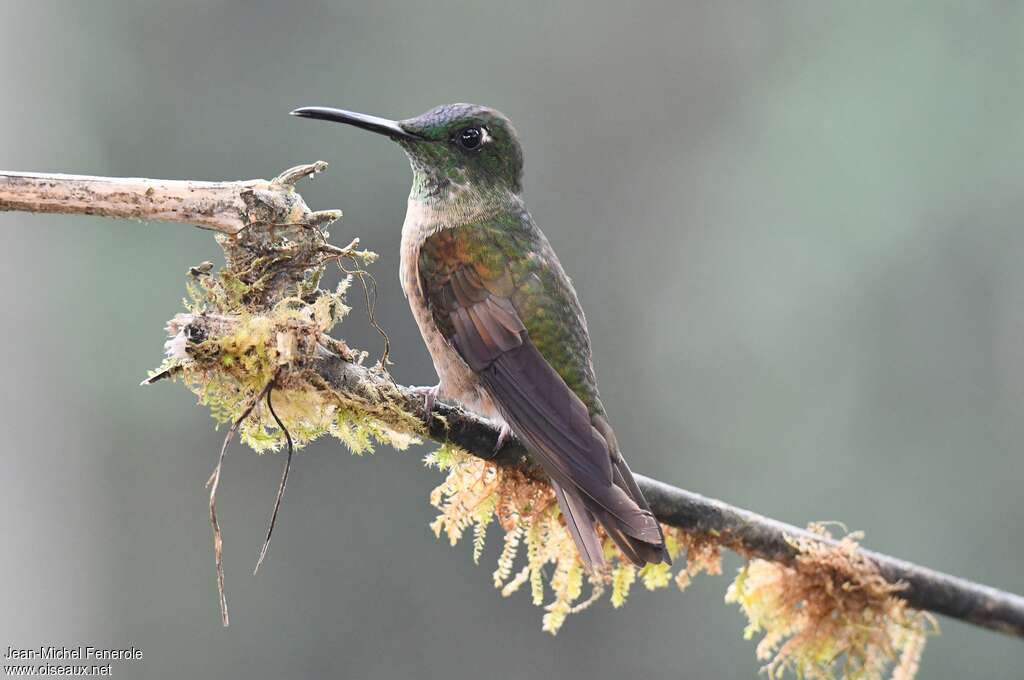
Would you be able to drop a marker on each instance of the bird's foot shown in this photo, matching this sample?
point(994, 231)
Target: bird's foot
point(504, 434)
point(429, 395)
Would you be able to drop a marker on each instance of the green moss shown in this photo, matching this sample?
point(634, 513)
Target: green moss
point(241, 347)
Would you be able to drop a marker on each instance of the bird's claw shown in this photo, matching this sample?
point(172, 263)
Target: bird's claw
point(429, 395)
point(504, 434)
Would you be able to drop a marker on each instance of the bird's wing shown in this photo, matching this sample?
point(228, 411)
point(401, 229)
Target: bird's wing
point(501, 300)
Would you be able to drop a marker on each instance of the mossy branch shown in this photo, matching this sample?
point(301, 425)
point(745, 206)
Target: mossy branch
point(745, 532)
point(262, 324)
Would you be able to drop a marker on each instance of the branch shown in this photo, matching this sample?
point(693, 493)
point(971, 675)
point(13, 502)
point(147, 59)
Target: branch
point(226, 207)
point(273, 270)
point(743, 531)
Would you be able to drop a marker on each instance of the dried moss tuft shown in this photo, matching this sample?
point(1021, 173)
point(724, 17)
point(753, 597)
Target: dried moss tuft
point(476, 494)
point(248, 344)
point(829, 614)
point(228, 347)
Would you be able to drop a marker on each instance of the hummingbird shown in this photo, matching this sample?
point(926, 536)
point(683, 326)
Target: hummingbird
point(502, 321)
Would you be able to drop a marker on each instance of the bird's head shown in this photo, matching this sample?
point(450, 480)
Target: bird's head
point(452, 148)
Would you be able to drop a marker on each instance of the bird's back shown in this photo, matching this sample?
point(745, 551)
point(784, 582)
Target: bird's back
point(512, 255)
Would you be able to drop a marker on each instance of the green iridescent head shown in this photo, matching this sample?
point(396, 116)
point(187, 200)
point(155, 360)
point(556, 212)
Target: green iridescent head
point(451, 147)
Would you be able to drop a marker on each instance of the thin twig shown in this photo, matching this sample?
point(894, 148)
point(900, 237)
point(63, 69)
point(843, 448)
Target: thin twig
point(281, 486)
point(214, 483)
point(371, 308)
point(162, 375)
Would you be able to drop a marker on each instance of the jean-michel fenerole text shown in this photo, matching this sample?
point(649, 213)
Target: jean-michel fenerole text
point(51, 652)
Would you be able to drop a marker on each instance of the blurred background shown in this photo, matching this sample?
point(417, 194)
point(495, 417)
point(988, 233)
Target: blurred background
point(795, 228)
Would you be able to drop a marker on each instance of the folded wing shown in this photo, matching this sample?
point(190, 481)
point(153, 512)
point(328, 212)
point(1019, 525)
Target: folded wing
point(592, 482)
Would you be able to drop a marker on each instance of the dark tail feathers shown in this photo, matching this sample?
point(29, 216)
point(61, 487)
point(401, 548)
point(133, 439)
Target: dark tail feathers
point(637, 534)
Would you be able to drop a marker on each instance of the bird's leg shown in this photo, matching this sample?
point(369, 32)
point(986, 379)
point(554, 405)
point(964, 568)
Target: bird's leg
point(429, 395)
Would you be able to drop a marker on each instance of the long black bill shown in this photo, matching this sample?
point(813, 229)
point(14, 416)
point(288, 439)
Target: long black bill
point(381, 126)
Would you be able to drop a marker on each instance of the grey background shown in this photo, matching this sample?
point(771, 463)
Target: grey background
point(795, 228)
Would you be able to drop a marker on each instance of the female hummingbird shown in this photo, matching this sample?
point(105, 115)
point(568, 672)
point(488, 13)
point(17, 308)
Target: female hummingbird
point(501, 319)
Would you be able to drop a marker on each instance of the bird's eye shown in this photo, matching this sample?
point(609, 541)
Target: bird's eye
point(469, 138)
